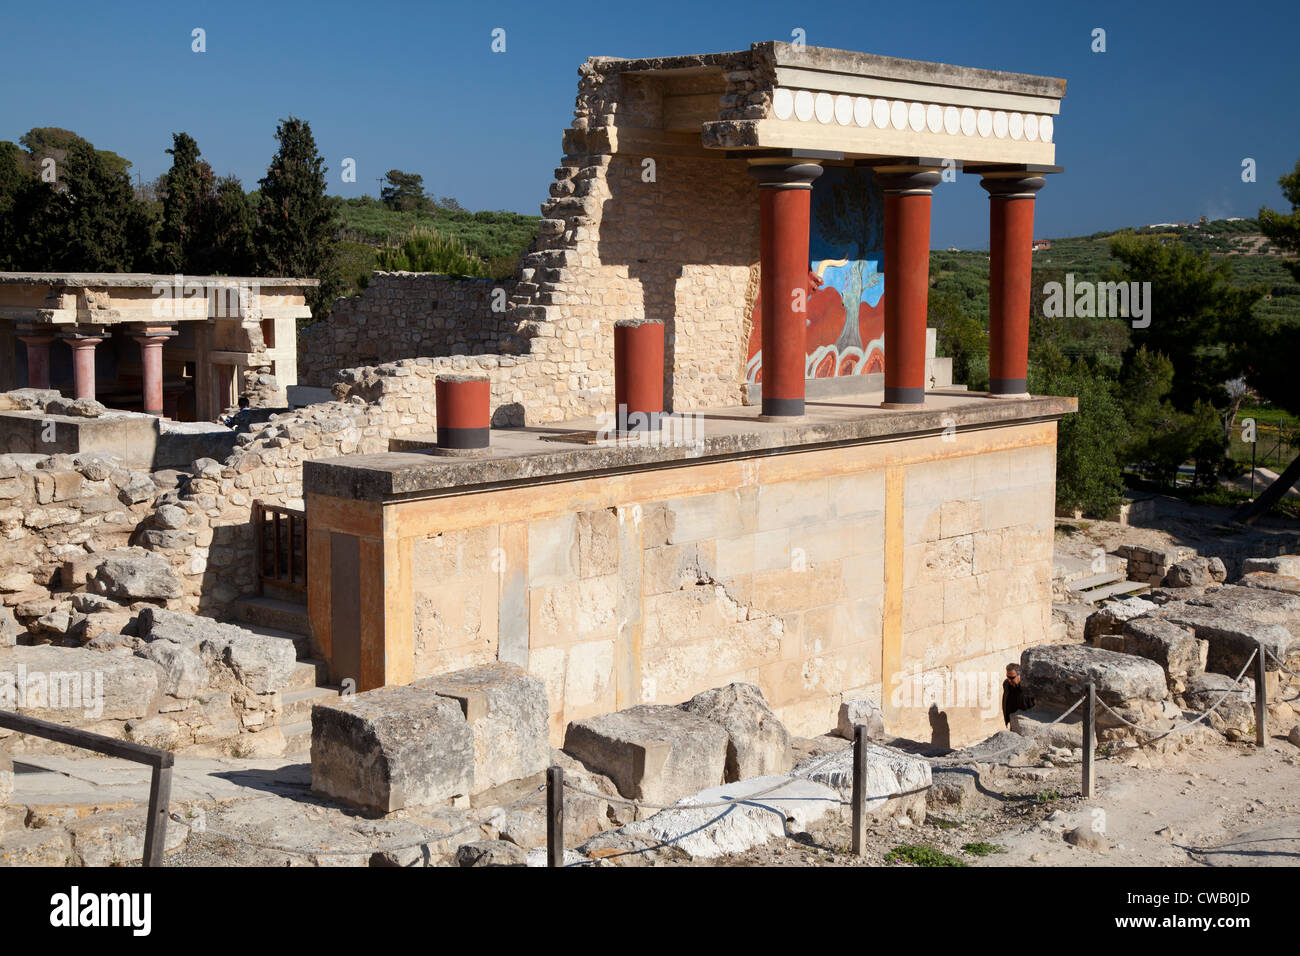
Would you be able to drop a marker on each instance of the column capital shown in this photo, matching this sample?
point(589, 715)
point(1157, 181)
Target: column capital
point(910, 181)
point(79, 336)
point(784, 173)
point(152, 333)
point(1012, 186)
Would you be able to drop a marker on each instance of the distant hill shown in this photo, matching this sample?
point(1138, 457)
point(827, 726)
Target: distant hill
point(498, 238)
point(1254, 261)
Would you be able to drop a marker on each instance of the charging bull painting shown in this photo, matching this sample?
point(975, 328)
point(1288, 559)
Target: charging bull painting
point(846, 287)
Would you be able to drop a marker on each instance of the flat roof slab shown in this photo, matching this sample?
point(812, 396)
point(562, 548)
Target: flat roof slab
point(567, 450)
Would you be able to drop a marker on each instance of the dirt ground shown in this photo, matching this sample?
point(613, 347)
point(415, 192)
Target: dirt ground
point(1211, 804)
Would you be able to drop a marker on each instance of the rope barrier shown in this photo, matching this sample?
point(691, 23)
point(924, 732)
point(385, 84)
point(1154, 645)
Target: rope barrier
point(1161, 734)
point(959, 761)
point(711, 805)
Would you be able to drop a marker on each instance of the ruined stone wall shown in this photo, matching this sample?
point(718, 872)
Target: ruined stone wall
point(406, 315)
point(57, 509)
point(624, 235)
point(910, 572)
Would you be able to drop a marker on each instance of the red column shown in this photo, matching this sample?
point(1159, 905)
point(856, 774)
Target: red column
point(784, 191)
point(1011, 263)
point(151, 341)
point(83, 361)
point(639, 373)
point(38, 357)
point(463, 406)
point(907, 282)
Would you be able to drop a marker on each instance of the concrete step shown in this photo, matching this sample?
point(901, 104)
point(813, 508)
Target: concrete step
point(309, 674)
point(296, 705)
point(1095, 581)
point(297, 737)
point(286, 616)
point(1118, 589)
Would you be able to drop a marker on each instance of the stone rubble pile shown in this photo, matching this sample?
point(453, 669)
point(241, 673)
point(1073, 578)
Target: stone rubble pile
point(1170, 655)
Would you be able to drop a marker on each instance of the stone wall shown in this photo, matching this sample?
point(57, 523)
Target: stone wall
point(406, 315)
point(624, 235)
point(910, 572)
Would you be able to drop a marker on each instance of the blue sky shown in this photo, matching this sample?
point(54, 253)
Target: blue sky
point(1154, 129)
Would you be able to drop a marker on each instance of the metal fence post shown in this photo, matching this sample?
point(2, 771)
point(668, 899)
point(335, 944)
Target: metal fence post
point(1089, 741)
point(1261, 696)
point(859, 784)
point(160, 795)
point(555, 817)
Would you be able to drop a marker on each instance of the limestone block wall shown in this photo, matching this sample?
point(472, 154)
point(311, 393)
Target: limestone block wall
point(909, 571)
point(406, 315)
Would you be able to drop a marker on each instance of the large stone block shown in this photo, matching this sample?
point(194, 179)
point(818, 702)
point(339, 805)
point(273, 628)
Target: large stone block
point(1195, 572)
point(1232, 636)
point(68, 684)
point(1060, 675)
point(1269, 581)
point(1173, 647)
point(651, 752)
point(1286, 564)
point(390, 748)
point(862, 710)
point(757, 743)
point(506, 709)
point(132, 574)
point(262, 662)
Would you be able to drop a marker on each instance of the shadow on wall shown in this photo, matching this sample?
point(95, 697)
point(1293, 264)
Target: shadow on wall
point(695, 214)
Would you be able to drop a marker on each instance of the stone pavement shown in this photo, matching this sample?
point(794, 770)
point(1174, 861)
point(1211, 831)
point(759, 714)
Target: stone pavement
point(41, 780)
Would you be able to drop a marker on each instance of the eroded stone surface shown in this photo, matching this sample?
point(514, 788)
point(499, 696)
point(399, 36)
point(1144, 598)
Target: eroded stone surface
point(757, 743)
point(1060, 675)
point(390, 748)
point(654, 753)
point(506, 709)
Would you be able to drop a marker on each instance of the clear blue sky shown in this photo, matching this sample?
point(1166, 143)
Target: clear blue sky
point(1155, 129)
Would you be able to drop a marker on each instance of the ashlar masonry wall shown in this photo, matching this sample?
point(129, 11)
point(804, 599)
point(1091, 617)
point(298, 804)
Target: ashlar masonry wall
point(910, 571)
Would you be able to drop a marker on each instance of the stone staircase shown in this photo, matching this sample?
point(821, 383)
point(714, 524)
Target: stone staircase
point(1082, 583)
point(281, 617)
point(1106, 584)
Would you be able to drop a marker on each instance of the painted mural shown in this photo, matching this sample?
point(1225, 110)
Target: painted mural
point(846, 287)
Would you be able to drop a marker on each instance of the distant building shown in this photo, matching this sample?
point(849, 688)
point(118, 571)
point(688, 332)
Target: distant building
point(1042, 244)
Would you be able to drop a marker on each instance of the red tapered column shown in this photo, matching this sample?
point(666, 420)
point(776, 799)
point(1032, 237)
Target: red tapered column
point(464, 403)
point(907, 281)
point(639, 374)
point(83, 361)
point(784, 191)
point(151, 341)
point(1011, 264)
point(38, 357)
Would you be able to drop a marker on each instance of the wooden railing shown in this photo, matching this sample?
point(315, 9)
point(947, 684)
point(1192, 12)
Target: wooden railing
point(160, 783)
point(281, 535)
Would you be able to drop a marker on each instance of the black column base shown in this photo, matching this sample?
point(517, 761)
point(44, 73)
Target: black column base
point(1008, 386)
point(898, 395)
point(782, 407)
point(461, 438)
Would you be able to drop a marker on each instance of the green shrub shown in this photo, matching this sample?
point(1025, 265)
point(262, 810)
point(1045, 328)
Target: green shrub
point(424, 250)
point(921, 855)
